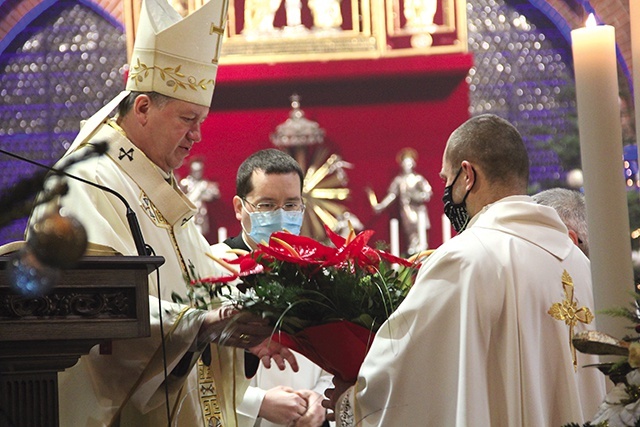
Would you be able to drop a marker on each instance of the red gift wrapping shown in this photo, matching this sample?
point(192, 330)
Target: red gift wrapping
point(338, 347)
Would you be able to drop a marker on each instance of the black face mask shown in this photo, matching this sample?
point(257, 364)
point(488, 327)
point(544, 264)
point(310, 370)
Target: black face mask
point(456, 212)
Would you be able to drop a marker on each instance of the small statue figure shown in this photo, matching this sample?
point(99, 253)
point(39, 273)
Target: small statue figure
point(199, 191)
point(293, 12)
point(412, 191)
point(259, 16)
point(420, 14)
point(327, 15)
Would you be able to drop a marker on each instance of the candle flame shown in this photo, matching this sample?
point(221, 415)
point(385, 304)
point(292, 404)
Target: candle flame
point(591, 21)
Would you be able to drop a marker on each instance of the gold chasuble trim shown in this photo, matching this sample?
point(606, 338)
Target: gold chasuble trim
point(164, 203)
point(208, 396)
point(174, 205)
point(568, 311)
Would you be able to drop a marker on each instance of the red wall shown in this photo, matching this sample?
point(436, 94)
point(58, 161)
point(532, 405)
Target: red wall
point(370, 109)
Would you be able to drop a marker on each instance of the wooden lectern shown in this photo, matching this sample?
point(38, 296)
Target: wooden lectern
point(101, 299)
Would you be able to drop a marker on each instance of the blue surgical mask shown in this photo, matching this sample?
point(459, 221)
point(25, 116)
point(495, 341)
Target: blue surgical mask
point(263, 224)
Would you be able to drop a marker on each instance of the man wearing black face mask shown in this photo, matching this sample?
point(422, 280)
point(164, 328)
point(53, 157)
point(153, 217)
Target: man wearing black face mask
point(456, 212)
point(480, 339)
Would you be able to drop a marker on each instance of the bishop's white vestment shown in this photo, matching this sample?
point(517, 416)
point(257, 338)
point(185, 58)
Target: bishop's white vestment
point(128, 383)
point(474, 342)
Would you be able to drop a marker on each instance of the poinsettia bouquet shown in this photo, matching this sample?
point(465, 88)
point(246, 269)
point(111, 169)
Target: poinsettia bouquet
point(325, 302)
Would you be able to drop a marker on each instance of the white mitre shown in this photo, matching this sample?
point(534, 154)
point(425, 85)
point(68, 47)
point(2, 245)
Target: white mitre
point(174, 56)
point(178, 57)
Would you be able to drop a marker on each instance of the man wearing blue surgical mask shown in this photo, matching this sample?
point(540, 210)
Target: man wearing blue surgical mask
point(269, 199)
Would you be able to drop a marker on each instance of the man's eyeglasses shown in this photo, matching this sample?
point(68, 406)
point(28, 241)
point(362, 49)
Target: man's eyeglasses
point(270, 207)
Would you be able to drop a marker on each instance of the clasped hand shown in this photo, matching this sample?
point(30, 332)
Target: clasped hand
point(286, 406)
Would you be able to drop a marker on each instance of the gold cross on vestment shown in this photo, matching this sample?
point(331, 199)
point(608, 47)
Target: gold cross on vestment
point(568, 311)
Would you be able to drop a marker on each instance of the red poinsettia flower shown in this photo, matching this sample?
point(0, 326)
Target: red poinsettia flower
point(315, 313)
point(354, 248)
point(248, 265)
point(300, 250)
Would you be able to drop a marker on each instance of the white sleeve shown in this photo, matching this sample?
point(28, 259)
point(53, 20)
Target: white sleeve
point(249, 408)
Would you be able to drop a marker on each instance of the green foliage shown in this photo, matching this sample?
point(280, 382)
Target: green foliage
point(297, 296)
point(200, 293)
point(620, 312)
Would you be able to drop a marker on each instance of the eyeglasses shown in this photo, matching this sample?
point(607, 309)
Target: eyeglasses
point(270, 207)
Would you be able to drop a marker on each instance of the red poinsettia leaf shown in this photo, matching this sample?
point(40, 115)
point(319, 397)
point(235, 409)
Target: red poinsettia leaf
point(371, 256)
point(355, 252)
point(248, 264)
point(299, 250)
point(335, 238)
point(306, 247)
point(281, 254)
point(396, 260)
point(249, 267)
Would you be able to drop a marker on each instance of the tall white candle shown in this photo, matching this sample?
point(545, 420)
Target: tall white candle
point(634, 20)
point(600, 129)
point(422, 230)
point(446, 228)
point(394, 237)
point(222, 234)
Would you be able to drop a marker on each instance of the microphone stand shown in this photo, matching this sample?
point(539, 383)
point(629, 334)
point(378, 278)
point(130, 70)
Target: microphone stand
point(99, 149)
point(143, 250)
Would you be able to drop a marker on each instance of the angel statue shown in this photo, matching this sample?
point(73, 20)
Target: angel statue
point(327, 15)
point(412, 191)
point(199, 191)
point(420, 14)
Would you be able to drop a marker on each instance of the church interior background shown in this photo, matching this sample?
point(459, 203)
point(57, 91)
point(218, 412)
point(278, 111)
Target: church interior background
point(61, 60)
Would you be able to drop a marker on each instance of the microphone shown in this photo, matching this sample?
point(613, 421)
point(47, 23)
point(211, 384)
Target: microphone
point(16, 202)
point(99, 149)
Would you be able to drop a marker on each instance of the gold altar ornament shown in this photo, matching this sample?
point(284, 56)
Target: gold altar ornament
point(271, 31)
point(325, 180)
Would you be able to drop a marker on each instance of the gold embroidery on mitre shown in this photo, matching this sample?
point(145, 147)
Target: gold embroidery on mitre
point(170, 75)
point(568, 311)
point(208, 396)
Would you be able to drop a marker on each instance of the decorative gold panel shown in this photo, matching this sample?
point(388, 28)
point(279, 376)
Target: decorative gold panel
point(414, 27)
point(271, 31)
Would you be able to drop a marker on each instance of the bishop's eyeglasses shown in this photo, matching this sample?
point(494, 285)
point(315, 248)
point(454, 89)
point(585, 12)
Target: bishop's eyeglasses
point(271, 207)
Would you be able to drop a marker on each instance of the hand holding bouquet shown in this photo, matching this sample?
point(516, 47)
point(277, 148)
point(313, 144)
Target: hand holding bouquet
point(326, 302)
